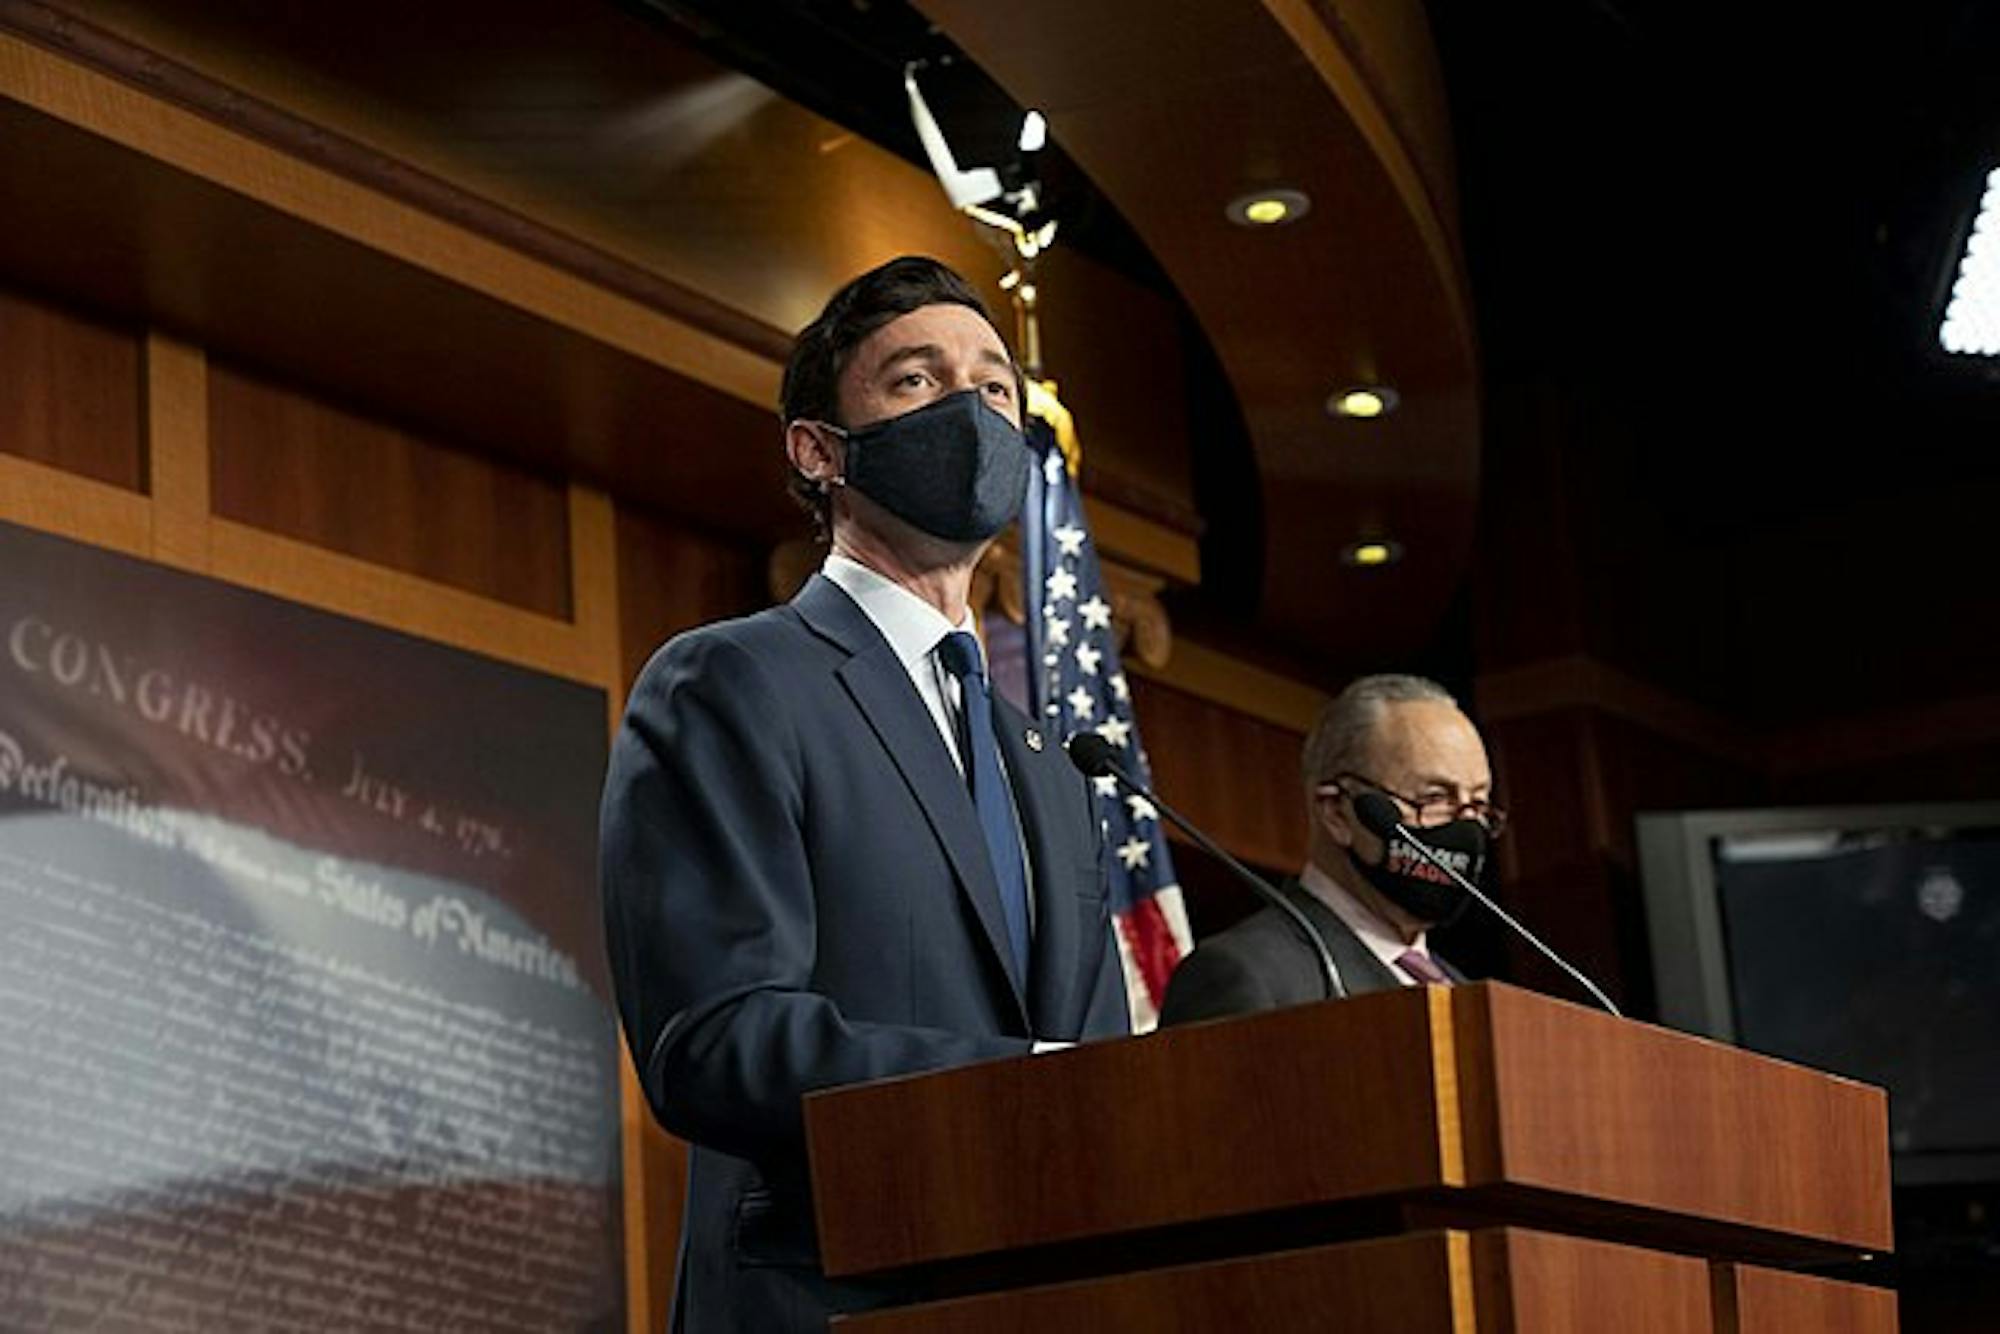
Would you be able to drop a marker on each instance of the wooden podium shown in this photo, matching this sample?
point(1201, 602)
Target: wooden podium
point(1475, 1158)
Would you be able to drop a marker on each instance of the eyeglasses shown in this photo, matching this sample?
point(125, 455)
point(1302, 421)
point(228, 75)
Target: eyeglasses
point(1429, 809)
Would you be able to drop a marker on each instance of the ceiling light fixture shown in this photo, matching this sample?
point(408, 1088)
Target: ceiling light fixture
point(1268, 208)
point(1372, 553)
point(1364, 401)
point(1971, 325)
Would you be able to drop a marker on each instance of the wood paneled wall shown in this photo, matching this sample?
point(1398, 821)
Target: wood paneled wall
point(1235, 776)
point(70, 392)
point(294, 465)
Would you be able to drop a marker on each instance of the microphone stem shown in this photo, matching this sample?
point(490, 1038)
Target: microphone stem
point(1507, 917)
point(1334, 985)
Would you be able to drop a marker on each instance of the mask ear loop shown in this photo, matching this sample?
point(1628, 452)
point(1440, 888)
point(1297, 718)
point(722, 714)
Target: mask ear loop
point(827, 484)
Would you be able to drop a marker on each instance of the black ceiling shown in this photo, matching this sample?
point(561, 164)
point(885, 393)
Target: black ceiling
point(1730, 223)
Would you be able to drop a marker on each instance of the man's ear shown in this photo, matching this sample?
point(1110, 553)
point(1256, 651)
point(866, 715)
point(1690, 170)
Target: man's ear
point(816, 452)
point(1331, 810)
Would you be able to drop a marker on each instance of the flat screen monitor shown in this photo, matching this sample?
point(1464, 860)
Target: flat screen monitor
point(1864, 941)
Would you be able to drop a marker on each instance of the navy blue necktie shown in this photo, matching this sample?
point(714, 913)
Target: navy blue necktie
point(959, 652)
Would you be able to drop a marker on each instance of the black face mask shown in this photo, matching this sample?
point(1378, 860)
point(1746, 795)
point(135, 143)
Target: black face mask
point(955, 468)
point(1410, 882)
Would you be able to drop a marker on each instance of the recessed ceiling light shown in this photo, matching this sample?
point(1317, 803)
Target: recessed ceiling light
point(1268, 208)
point(1373, 552)
point(1364, 401)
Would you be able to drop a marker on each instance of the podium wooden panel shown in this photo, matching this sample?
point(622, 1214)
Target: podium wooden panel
point(1751, 1300)
point(1496, 1281)
point(1425, 1107)
point(1554, 1097)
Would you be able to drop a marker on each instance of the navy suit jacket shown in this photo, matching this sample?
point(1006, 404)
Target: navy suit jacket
point(1263, 962)
point(797, 896)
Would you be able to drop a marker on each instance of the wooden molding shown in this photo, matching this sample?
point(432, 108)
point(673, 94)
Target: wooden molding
point(1313, 29)
point(315, 577)
point(106, 106)
point(1581, 681)
point(1215, 676)
point(593, 566)
point(37, 496)
point(177, 452)
point(1146, 543)
point(1140, 624)
point(110, 54)
point(1945, 725)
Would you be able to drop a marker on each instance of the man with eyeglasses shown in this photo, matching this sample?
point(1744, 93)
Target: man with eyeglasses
point(1373, 901)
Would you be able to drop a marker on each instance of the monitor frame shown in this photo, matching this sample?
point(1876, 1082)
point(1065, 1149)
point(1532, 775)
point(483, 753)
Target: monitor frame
point(1684, 921)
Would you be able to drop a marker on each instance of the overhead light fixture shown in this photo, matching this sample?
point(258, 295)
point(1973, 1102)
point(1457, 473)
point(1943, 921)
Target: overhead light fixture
point(1364, 401)
point(1971, 325)
point(1034, 132)
point(1372, 553)
point(1268, 208)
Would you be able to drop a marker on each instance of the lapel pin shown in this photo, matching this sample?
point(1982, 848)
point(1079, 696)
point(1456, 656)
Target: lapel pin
point(1034, 739)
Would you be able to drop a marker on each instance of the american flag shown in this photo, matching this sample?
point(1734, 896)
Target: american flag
point(1076, 683)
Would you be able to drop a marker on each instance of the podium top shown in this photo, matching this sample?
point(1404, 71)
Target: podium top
point(1485, 1099)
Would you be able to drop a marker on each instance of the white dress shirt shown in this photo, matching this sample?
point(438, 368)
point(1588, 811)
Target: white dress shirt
point(1380, 938)
point(914, 629)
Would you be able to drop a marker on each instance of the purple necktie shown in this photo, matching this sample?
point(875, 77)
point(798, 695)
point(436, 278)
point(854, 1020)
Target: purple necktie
point(1422, 967)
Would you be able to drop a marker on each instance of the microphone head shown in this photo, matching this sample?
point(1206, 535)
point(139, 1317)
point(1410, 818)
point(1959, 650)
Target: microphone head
point(1377, 813)
point(1093, 755)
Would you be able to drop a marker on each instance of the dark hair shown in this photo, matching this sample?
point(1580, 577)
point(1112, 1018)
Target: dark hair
point(811, 389)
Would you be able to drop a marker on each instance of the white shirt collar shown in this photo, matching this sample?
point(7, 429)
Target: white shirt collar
point(1380, 938)
point(912, 626)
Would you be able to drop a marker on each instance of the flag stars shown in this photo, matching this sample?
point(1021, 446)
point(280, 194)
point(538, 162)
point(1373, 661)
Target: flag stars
point(1106, 786)
point(1096, 613)
point(1119, 690)
point(1135, 852)
point(1057, 629)
point(1069, 538)
point(1082, 704)
point(1062, 585)
point(1087, 659)
point(1114, 730)
point(1053, 467)
point(1142, 810)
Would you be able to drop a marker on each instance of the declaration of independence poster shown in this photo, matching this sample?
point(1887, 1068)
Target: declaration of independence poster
point(304, 1023)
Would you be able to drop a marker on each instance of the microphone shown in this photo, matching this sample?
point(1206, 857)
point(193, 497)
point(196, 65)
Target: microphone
point(1098, 758)
point(1379, 815)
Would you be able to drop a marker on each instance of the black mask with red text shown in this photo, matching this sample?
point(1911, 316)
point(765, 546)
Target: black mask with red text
point(1408, 880)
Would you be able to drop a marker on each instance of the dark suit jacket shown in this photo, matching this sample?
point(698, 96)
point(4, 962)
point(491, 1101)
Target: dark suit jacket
point(797, 895)
point(1263, 963)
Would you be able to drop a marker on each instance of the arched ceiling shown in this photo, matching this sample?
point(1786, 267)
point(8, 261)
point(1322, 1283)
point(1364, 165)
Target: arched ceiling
point(1174, 117)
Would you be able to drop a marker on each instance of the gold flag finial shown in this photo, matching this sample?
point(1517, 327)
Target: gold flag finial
point(1044, 403)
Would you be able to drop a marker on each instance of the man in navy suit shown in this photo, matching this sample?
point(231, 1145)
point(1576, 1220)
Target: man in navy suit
point(829, 854)
point(1372, 901)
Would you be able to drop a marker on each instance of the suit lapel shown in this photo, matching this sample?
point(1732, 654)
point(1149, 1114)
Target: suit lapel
point(1360, 970)
point(1039, 794)
point(881, 690)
